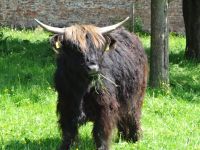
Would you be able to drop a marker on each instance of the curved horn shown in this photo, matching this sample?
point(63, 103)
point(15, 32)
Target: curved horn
point(107, 29)
point(50, 28)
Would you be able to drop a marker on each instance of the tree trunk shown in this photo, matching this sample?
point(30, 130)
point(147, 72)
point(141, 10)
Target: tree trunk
point(191, 15)
point(159, 58)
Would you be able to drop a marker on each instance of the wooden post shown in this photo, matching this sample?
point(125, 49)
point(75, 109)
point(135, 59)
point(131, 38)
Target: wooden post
point(132, 16)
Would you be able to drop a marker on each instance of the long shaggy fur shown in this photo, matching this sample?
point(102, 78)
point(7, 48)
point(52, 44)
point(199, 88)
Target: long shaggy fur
point(110, 106)
point(78, 33)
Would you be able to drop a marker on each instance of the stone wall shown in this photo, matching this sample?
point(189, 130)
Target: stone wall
point(176, 23)
point(65, 12)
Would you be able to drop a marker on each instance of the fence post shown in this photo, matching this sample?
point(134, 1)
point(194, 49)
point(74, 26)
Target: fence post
point(132, 16)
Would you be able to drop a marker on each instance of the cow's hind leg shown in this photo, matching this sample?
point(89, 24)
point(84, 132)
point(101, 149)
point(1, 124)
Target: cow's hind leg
point(129, 127)
point(133, 128)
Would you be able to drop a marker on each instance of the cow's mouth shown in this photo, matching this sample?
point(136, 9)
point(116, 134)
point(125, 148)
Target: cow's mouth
point(93, 73)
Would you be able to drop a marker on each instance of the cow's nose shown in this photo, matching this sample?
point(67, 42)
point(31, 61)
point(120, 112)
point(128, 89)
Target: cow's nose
point(93, 67)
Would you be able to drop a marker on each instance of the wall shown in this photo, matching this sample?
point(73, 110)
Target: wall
point(176, 23)
point(65, 12)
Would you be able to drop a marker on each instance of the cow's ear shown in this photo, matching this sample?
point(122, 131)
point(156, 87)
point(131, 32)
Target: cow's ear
point(56, 42)
point(110, 43)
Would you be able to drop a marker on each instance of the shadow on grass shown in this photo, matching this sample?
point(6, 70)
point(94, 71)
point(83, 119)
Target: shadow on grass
point(43, 144)
point(184, 82)
point(176, 58)
point(49, 144)
point(185, 78)
point(184, 87)
point(25, 65)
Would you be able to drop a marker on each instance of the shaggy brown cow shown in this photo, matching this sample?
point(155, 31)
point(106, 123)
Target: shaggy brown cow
point(101, 77)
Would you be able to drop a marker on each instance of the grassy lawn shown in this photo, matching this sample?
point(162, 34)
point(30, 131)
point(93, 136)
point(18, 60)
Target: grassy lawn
point(170, 120)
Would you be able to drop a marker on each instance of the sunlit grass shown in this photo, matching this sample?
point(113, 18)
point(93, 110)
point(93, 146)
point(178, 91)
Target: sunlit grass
point(170, 118)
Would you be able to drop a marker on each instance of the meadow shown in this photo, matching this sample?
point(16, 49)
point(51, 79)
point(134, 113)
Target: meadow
point(28, 121)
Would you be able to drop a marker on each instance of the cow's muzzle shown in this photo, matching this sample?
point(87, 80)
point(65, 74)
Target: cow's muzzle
point(93, 68)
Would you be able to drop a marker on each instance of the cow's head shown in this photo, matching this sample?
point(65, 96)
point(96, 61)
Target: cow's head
point(85, 44)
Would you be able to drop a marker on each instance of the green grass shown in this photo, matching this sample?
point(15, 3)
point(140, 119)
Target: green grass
point(170, 119)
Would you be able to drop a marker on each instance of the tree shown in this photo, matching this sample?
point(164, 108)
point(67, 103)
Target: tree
point(191, 15)
point(159, 58)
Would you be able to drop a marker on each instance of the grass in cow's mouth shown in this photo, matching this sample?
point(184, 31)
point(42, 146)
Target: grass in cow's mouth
point(96, 81)
point(170, 118)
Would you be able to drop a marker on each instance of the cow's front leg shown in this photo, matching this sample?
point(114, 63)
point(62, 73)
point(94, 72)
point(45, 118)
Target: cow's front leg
point(68, 121)
point(69, 132)
point(103, 126)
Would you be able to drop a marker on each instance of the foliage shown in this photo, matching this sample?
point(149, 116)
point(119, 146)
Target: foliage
point(138, 25)
point(170, 118)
